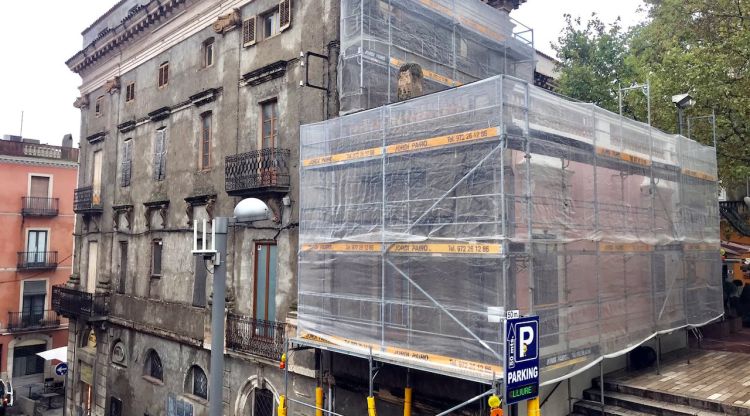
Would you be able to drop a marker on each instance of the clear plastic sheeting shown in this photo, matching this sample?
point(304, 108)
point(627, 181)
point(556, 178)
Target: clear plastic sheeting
point(454, 41)
point(422, 222)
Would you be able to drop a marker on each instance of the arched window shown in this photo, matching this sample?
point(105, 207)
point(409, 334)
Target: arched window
point(262, 403)
point(153, 367)
point(196, 382)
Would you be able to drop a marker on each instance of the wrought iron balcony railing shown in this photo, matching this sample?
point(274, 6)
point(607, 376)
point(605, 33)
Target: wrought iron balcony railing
point(36, 260)
point(255, 336)
point(33, 206)
point(71, 302)
point(87, 200)
point(736, 213)
point(259, 171)
point(29, 320)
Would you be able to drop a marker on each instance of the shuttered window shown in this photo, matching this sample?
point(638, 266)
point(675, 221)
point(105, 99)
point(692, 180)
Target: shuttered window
point(205, 141)
point(248, 32)
point(156, 249)
point(127, 162)
point(160, 155)
point(163, 74)
point(285, 15)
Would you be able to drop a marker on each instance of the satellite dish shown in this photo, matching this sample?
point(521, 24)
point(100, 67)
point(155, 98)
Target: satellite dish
point(251, 209)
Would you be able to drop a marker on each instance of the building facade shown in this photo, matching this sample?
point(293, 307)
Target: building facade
point(35, 253)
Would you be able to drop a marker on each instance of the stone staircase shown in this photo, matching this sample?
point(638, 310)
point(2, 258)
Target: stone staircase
point(627, 400)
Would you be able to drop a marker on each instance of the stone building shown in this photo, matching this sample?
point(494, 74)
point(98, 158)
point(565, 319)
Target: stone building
point(188, 106)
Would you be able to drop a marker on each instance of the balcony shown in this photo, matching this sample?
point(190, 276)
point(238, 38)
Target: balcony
point(258, 172)
point(33, 206)
point(736, 213)
point(37, 150)
point(36, 260)
point(71, 302)
point(85, 201)
point(255, 336)
point(34, 320)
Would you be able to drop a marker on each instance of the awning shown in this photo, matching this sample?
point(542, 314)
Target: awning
point(59, 354)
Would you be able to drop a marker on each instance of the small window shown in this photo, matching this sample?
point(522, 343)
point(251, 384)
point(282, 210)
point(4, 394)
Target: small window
point(197, 382)
point(130, 92)
point(269, 124)
point(156, 249)
point(115, 406)
point(163, 74)
point(99, 106)
point(153, 367)
point(123, 274)
point(269, 23)
point(127, 162)
point(205, 141)
point(208, 53)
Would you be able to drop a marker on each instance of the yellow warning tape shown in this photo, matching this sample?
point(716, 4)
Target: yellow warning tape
point(419, 356)
point(442, 248)
point(343, 247)
point(429, 143)
point(698, 174)
point(614, 154)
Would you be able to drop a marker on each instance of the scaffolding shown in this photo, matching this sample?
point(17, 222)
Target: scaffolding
point(454, 41)
point(422, 222)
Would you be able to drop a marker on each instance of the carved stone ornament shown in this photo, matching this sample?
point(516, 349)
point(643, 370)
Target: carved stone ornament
point(113, 85)
point(123, 211)
point(81, 102)
point(227, 22)
point(161, 207)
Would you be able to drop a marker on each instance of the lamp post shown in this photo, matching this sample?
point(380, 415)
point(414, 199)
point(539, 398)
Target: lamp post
point(682, 102)
point(644, 88)
point(247, 210)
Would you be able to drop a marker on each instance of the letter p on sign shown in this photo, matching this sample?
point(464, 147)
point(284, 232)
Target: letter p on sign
point(526, 338)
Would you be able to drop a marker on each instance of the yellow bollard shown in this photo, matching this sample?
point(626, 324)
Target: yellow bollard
point(319, 401)
point(371, 406)
point(407, 401)
point(532, 407)
point(282, 406)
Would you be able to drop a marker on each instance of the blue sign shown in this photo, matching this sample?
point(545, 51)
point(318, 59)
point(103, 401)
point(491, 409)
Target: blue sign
point(61, 369)
point(521, 359)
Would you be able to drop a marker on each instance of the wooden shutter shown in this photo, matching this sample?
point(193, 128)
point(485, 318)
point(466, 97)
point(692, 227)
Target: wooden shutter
point(127, 162)
point(285, 15)
point(39, 187)
point(248, 31)
point(160, 155)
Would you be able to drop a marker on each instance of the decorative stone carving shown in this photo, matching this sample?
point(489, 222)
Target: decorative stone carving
point(189, 212)
point(410, 81)
point(160, 206)
point(227, 22)
point(275, 205)
point(113, 85)
point(127, 212)
point(81, 102)
point(210, 207)
point(208, 200)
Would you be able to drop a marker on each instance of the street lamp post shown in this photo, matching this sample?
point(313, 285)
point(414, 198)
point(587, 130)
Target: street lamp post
point(682, 102)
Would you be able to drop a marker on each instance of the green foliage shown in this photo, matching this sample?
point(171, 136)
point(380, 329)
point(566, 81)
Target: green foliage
point(696, 46)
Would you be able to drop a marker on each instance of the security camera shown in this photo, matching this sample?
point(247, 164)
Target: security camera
point(251, 209)
point(683, 101)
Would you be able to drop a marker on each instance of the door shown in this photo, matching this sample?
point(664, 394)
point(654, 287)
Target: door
point(34, 296)
point(26, 362)
point(92, 269)
point(96, 180)
point(36, 247)
point(264, 306)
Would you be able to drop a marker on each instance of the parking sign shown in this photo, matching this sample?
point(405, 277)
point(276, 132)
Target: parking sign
point(521, 359)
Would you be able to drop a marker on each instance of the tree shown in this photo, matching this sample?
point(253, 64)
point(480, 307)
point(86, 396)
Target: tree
point(697, 46)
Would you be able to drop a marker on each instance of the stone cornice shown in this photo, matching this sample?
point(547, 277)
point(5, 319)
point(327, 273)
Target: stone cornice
point(21, 160)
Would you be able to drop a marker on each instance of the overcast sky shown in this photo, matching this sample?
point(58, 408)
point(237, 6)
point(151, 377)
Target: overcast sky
point(41, 36)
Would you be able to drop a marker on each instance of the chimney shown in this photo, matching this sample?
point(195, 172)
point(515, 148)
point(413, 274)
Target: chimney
point(410, 81)
point(67, 140)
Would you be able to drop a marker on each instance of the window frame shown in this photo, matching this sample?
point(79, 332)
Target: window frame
point(130, 92)
point(157, 242)
point(274, 121)
point(163, 79)
point(192, 380)
point(276, 14)
point(127, 160)
point(98, 106)
point(160, 158)
point(149, 369)
point(122, 272)
point(208, 50)
point(204, 141)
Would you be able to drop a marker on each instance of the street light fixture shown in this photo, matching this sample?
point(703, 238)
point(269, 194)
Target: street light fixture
point(247, 210)
point(682, 102)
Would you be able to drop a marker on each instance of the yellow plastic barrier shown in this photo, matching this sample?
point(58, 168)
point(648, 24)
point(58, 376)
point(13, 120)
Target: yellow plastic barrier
point(319, 401)
point(371, 406)
point(407, 401)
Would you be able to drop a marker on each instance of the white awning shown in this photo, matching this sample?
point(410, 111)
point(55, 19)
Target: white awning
point(59, 354)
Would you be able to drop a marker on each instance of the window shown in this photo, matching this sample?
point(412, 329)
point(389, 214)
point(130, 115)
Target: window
point(269, 124)
point(163, 74)
point(130, 92)
point(197, 382)
point(115, 406)
point(160, 155)
point(39, 186)
point(123, 275)
point(269, 23)
point(127, 162)
point(92, 266)
point(36, 247)
point(96, 179)
point(34, 295)
point(248, 31)
point(153, 367)
point(98, 106)
point(156, 249)
point(205, 142)
point(262, 402)
point(208, 52)
point(26, 361)
point(264, 305)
